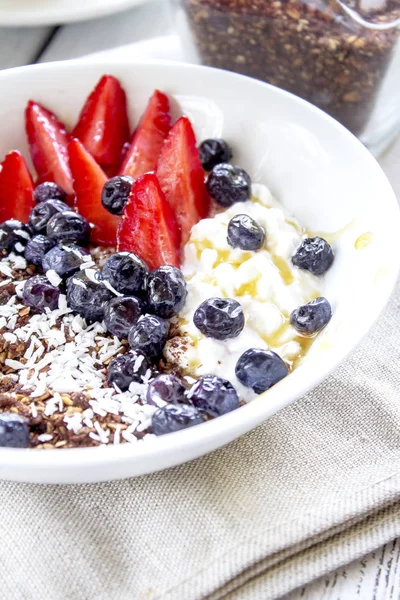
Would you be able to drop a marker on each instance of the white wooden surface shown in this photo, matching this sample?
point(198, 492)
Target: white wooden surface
point(374, 577)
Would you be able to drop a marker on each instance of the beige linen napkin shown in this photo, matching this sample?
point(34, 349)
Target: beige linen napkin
point(315, 487)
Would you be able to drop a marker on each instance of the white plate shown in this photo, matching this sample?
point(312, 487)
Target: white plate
point(23, 13)
point(314, 166)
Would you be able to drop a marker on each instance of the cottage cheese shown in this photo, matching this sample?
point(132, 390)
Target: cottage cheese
point(265, 283)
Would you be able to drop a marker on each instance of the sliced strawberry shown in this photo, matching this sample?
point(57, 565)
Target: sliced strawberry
point(103, 126)
point(16, 188)
point(89, 180)
point(181, 177)
point(148, 227)
point(48, 141)
point(148, 138)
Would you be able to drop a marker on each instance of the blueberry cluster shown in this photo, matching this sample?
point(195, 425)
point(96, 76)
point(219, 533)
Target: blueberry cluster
point(209, 397)
point(226, 183)
point(316, 256)
point(133, 302)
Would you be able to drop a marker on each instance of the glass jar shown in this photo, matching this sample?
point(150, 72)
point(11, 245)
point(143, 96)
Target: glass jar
point(342, 57)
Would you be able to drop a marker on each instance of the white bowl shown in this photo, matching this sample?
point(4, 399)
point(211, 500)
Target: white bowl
point(25, 13)
point(313, 165)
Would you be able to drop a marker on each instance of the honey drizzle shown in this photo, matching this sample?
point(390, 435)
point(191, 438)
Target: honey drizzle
point(283, 268)
point(363, 240)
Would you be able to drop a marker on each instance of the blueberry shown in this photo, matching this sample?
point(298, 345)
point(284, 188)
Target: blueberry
point(48, 191)
point(260, 369)
point(36, 248)
point(121, 314)
point(87, 297)
point(68, 226)
point(245, 233)
point(149, 335)
point(214, 395)
point(125, 369)
point(14, 431)
point(65, 260)
point(219, 318)
point(228, 184)
point(14, 235)
point(165, 388)
point(115, 194)
point(174, 417)
point(212, 152)
point(312, 317)
point(314, 255)
point(166, 291)
point(42, 213)
point(40, 294)
point(126, 272)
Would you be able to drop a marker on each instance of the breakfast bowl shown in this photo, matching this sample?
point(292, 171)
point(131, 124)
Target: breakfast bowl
point(319, 172)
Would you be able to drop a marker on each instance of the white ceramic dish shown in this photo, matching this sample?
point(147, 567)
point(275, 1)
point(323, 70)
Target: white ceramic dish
point(312, 164)
point(24, 13)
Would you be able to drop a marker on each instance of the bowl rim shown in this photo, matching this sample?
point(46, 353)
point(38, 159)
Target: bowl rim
point(30, 16)
point(164, 450)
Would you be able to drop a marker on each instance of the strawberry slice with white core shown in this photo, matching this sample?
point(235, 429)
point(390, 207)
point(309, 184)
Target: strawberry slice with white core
point(48, 141)
point(148, 227)
point(181, 177)
point(103, 126)
point(16, 188)
point(148, 139)
point(89, 180)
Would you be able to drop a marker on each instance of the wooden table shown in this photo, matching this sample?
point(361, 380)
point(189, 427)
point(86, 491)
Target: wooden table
point(373, 577)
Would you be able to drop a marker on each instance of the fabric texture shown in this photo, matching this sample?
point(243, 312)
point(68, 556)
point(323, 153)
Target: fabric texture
point(312, 489)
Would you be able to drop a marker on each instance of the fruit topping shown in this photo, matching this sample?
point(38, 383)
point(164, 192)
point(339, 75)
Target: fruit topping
point(89, 180)
point(42, 213)
point(166, 291)
point(165, 388)
point(214, 395)
point(103, 126)
point(174, 417)
point(48, 142)
point(181, 177)
point(126, 272)
point(219, 318)
point(14, 431)
point(126, 369)
point(86, 297)
point(48, 190)
point(229, 184)
point(14, 235)
point(212, 152)
point(115, 194)
point(65, 259)
point(36, 248)
point(16, 188)
point(39, 293)
point(148, 227)
point(121, 314)
point(149, 137)
point(149, 335)
point(68, 226)
point(260, 369)
point(312, 317)
point(314, 255)
point(245, 233)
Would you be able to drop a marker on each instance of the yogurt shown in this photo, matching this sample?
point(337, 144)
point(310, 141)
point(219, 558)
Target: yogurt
point(265, 283)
